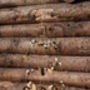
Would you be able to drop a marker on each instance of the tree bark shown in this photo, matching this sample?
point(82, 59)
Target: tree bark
point(65, 29)
point(69, 78)
point(69, 1)
point(69, 63)
point(19, 86)
point(47, 13)
point(10, 3)
point(43, 46)
point(6, 85)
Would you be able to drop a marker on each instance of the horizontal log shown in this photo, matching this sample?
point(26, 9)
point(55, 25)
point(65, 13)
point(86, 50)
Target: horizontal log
point(34, 61)
point(42, 46)
point(10, 3)
point(5, 85)
point(69, 78)
point(64, 29)
point(47, 13)
point(69, 1)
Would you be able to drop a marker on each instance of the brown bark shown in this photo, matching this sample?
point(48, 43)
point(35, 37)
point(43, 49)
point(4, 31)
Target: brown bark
point(65, 29)
point(69, 1)
point(34, 61)
point(10, 3)
point(19, 86)
point(69, 78)
point(6, 85)
point(42, 46)
point(41, 13)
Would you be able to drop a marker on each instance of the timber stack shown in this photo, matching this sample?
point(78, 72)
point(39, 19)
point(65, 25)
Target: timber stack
point(44, 45)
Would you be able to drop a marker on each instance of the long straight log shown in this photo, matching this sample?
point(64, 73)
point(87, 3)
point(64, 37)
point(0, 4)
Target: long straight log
point(42, 46)
point(34, 61)
point(69, 78)
point(6, 85)
point(48, 13)
point(10, 3)
point(65, 29)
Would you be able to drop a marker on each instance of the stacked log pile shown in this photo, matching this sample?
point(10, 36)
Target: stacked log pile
point(44, 45)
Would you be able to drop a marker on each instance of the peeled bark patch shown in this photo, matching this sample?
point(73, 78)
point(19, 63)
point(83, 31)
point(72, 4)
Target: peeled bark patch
point(48, 13)
point(43, 46)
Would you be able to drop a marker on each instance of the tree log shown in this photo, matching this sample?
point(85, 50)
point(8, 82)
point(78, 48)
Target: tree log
point(42, 46)
point(65, 29)
point(47, 13)
point(34, 61)
point(10, 3)
point(6, 85)
point(19, 86)
point(69, 1)
point(69, 78)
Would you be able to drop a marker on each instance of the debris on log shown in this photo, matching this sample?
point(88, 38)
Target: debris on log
point(43, 46)
point(69, 78)
point(5, 85)
point(69, 63)
point(48, 13)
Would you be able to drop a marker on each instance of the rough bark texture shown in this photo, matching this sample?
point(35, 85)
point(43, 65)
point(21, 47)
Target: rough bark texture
point(64, 29)
point(11, 86)
point(69, 78)
point(17, 66)
point(69, 1)
point(47, 13)
point(42, 46)
point(10, 3)
point(19, 86)
point(34, 61)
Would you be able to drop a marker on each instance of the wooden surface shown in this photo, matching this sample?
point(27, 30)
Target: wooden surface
point(48, 13)
point(46, 43)
point(60, 29)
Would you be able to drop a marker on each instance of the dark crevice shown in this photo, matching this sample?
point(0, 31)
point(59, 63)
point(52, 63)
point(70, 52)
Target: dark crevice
point(42, 71)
